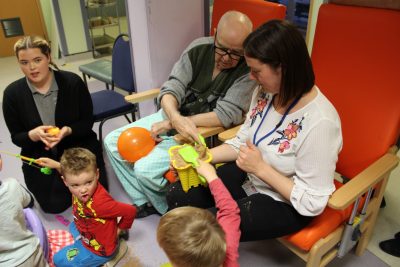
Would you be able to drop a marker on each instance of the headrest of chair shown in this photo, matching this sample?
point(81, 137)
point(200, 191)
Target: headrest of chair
point(388, 4)
point(356, 61)
point(258, 11)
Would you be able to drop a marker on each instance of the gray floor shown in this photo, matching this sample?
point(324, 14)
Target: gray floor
point(142, 235)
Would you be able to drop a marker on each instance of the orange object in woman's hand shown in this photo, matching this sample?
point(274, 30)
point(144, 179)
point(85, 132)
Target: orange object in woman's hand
point(53, 131)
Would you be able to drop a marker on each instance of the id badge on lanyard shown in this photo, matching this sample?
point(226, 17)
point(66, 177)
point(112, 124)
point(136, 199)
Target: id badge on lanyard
point(249, 188)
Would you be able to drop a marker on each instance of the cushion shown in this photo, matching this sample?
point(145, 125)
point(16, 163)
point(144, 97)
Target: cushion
point(99, 69)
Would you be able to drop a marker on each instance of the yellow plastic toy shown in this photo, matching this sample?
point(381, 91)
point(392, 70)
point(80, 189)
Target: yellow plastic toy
point(187, 173)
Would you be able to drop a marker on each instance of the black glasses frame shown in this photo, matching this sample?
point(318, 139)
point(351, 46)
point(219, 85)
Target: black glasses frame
point(226, 51)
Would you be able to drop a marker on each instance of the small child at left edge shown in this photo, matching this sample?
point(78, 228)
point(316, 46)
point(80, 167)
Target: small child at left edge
point(95, 227)
point(18, 246)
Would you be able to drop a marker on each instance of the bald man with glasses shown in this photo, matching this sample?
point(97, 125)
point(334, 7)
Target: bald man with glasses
point(208, 86)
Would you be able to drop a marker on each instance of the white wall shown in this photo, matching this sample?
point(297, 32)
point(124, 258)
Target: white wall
point(51, 26)
point(160, 30)
point(312, 22)
point(72, 21)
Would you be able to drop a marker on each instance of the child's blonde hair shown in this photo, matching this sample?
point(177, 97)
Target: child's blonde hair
point(77, 160)
point(34, 42)
point(192, 237)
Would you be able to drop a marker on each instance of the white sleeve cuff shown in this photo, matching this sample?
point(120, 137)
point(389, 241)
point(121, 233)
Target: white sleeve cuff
point(309, 202)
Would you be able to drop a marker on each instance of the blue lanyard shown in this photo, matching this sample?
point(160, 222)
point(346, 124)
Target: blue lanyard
point(276, 126)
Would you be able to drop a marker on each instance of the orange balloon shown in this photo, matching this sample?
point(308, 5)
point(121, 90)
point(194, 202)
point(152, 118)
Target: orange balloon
point(135, 143)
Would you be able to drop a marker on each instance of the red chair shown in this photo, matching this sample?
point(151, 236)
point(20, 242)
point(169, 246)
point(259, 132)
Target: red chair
point(259, 11)
point(356, 60)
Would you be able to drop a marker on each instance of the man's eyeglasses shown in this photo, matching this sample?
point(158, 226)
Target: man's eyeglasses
point(225, 51)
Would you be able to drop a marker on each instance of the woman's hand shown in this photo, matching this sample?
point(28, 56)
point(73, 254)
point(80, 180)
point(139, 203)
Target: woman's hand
point(40, 134)
point(65, 131)
point(249, 158)
point(160, 128)
point(206, 170)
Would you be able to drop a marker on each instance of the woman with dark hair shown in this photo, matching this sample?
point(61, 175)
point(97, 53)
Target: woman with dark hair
point(34, 105)
point(281, 163)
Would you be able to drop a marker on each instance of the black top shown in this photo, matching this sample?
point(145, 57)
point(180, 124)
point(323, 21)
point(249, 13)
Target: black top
point(74, 108)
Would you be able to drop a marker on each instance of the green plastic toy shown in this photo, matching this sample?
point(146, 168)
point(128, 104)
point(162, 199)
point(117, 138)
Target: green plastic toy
point(190, 155)
point(202, 140)
point(46, 170)
point(30, 161)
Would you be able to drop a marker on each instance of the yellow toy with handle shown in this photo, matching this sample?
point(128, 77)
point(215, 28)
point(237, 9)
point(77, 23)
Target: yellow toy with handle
point(187, 173)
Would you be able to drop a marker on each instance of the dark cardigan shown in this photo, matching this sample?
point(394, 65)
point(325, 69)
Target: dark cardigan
point(74, 108)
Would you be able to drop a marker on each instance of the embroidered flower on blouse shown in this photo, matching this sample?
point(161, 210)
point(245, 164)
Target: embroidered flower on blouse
point(283, 146)
point(259, 108)
point(291, 131)
point(287, 135)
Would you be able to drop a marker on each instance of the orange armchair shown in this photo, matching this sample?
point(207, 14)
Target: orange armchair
point(259, 11)
point(356, 61)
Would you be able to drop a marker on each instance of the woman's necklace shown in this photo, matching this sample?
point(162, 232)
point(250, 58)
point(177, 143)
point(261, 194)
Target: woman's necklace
point(255, 141)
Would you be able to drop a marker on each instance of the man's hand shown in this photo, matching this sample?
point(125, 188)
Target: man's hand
point(185, 127)
point(160, 128)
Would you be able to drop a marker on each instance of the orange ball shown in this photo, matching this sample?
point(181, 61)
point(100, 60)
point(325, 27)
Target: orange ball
point(135, 143)
point(53, 131)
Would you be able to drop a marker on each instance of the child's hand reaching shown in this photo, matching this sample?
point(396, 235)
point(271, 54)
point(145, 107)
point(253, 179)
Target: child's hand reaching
point(49, 163)
point(206, 170)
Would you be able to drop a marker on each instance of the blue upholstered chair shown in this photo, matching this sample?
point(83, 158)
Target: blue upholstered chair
point(108, 104)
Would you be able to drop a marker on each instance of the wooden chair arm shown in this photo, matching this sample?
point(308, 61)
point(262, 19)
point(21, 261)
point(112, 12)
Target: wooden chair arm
point(142, 96)
point(229, 134)
point(393, 149)
point(357, 186)
point(153, 93)
point(204, 131)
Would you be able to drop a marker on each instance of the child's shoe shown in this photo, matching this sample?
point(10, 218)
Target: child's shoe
point(124, 234)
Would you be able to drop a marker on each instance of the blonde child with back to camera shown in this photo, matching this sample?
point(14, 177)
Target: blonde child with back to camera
point(96, 226)
point(194, 237)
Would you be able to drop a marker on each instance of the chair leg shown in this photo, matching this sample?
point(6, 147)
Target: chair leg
point(84, 79)
point(366, 235)
point(127, 118)
point(101, 131)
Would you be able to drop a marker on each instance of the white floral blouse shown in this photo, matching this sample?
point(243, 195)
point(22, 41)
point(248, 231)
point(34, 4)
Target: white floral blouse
point(304, 146)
